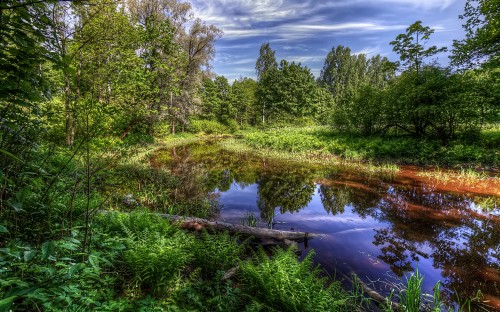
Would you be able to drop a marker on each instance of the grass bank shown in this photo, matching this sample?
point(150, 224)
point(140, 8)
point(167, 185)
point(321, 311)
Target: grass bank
point(322, 142)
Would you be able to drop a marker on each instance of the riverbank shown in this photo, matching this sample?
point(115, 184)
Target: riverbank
point(133, 262)
point(482, 153)
point(473, 168)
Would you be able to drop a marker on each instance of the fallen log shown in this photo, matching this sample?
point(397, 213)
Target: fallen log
point(198, 224)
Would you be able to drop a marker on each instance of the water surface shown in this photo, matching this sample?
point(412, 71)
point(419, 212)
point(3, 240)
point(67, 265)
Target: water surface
point(379, 227)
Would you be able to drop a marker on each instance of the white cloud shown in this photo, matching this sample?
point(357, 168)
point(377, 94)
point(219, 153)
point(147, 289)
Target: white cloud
point(369, 51)
point(308, 58)
point(423, 4)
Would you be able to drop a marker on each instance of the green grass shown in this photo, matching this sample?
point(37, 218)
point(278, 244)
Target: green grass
point(321, 141)
point(385, 170)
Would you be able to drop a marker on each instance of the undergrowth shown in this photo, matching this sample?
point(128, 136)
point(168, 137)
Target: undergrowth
point(323, 141)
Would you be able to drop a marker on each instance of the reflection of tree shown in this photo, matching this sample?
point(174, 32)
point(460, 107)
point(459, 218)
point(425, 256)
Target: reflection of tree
point(335, 199)
point(461, 242)
point(421, 222)
point(289, 191)
point(396, 251)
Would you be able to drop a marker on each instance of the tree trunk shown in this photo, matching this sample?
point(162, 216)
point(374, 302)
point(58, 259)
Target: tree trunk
point(67, 108)
point(127, 130)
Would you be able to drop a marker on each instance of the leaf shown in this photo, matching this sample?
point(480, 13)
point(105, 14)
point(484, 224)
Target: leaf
point(3, 229)
point(74, 269)
point(48, 249)
point(10, 155)
point(6, 303)
point(17, 206)
point(28, 255)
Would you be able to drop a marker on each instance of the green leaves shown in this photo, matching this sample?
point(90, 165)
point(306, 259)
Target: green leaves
point(6, 303)
point(482, 43)
point(48, 249)
point(411, 46)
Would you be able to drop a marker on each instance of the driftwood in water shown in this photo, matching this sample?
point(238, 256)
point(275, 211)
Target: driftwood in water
point(373, 294)
point(199, 224)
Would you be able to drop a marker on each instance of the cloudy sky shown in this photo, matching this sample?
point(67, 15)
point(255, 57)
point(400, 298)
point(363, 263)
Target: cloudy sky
point(306, 30)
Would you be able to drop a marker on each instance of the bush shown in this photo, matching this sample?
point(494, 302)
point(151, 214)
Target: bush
point(216, 253)
point(206, 126)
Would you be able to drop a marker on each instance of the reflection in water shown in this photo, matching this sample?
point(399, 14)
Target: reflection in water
point(290, 193)
point(399, 225)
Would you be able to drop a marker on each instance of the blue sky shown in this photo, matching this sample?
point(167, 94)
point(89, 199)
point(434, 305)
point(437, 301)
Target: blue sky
point(306, 30)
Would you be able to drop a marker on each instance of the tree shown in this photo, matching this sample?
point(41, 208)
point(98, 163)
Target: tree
point(198, 43)
point(24, 31)
point(265, 68)
point(411, 46)
point(346, 76)
point(482, 35)
point(217, 100)
point(244, 92)
point(266, 60)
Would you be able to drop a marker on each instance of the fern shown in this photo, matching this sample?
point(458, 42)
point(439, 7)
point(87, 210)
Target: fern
point(284, 284)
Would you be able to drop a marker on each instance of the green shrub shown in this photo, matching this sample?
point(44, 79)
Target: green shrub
point(285, 284)
point(53, 277)
point(206, 126)
point(135, 223)
point(216, 253)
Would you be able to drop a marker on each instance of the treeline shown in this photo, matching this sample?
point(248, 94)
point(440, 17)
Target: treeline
point(373, 96)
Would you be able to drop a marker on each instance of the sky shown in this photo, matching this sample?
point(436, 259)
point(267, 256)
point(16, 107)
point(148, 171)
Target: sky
point(306, 30)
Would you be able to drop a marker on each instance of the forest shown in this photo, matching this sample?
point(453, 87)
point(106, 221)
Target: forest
point(90, 90)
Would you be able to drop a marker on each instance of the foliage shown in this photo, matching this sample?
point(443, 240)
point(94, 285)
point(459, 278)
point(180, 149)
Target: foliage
point(285, 284)
point(355, 83)
point(481, 43)
point(216, 253)
point(324, 141)
point(266, 61)
point(52, 276)
point(207, 126)
point(155, 261)
point(411, 46)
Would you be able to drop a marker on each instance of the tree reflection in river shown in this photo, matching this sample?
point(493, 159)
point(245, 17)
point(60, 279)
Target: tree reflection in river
point(290, 192)
point(411, 223)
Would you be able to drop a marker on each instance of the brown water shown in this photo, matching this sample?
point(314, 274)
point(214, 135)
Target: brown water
point(381, 228)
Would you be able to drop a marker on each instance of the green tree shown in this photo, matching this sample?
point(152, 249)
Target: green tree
point(482, 35)
point(216, 99)
point(266, 60)
point(24, 31)
point(411, 46)
point(353, 80)
point(244, 92)
point(291, 93)
point(416, 86)
point(265, 68)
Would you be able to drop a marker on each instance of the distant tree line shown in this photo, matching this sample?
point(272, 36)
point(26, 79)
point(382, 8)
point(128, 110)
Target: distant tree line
point(372, 95)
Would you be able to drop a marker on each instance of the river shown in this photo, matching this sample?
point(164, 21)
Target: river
point(382, 228)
